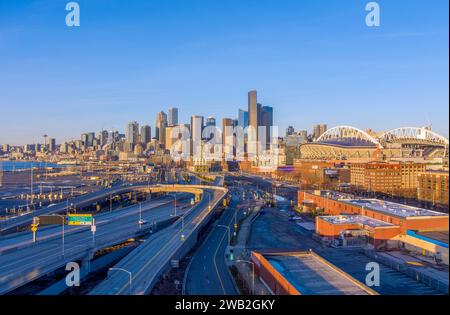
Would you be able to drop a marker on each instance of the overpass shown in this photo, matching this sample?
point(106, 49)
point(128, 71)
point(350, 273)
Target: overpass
point(92, 198)
point(19, 267)
point(152, 258)
point(27, 261)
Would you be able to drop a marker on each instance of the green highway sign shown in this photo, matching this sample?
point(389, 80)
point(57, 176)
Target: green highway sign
point(79, 219)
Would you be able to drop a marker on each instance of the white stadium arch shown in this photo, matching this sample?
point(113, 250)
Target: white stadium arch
point(414, 135)
point(347, 132)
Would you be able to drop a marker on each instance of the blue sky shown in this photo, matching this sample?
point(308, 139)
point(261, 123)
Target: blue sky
point(313, 61)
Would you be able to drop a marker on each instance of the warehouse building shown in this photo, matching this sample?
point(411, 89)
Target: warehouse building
point(305, 273)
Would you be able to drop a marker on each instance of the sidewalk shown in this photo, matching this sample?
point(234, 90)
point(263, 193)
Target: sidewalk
point(245, 269)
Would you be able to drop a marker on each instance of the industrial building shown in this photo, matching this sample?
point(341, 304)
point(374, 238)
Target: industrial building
point(348, 220)
point(305, 273)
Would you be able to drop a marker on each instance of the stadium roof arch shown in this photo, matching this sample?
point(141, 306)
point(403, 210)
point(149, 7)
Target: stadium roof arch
point(348, 135)
point(414, 135)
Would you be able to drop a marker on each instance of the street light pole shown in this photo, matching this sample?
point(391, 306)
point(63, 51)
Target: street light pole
point(129, 274)
point(229, 236)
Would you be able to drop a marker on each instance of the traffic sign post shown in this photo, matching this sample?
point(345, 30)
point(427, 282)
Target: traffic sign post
point(93, 230)
point(34, 226)
point(80, 219)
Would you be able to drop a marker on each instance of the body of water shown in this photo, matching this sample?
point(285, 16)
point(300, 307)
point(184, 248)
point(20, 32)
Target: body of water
point(24, 165)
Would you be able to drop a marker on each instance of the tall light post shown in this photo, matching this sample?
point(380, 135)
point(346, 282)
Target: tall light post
point(228, 229)
point(129, 274)
point(253, 272)
point(140, 214)
point(175, 208)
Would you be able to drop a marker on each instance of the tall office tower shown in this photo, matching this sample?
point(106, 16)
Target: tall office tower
point(111, 137)
point(290, 131)
point(196, 134)
point(243, 118)
point(52, 145)
point(319, 130)
point(227, 138)
point(132, 134)
point(254, 110)
point(84, 138)
point(210, 128)
point(146, 134)
point(267, 122)
point(173, 116)
point(161, 124)
point(210, 121)
point(323, 129)
point(254, 120)
point(90, 139)
point(103, 137)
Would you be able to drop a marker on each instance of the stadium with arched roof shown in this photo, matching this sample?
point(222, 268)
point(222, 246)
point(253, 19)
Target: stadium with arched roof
point(355, 145)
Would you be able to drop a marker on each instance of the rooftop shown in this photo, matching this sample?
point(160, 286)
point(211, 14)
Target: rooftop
point(355, 219)
point(312, 275)
point(383, 206)
point(440, 236)
point(395, 209)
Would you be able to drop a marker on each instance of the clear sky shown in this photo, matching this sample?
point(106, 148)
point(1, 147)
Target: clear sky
point(314, 61)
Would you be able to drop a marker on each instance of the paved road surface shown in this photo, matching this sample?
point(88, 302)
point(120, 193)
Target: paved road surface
point(208, 274)
point(150, 259)
point(18, 267)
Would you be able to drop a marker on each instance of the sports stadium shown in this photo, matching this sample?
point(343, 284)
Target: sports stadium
point(354, 145)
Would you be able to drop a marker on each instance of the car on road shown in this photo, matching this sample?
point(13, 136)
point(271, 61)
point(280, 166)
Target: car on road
point(142, 222)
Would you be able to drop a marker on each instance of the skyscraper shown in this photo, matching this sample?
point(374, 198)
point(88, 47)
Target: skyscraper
point(243, 118)
point(227, 138)
point(52, 145)
point(210, 121)
point(290, 131)
point(254, 119)
point(196, 133)
point(146, 134)
point(323, 129)
point(267, 122)
point(210, 128)
point(132, 133)
point(90, 139)
point(173, 116)
point(254, 110)
point(160, 127)
point(103, 137)
point(319, 130)
point(84, 138)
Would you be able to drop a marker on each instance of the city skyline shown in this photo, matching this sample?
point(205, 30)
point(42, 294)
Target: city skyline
point(232, 151)
point(337, 66)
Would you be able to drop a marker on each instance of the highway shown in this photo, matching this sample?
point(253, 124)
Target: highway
point(87, 200)
point(18, 267)
point(146, 263)
point(80, 201)
point(208, 273)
